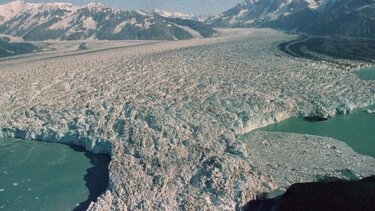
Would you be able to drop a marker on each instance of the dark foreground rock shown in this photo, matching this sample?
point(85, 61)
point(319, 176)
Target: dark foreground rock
point(331, 195)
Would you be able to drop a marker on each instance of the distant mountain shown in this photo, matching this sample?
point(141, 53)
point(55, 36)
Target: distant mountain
point(256, 12)
point(64, 21)
point(169, 14)
point(348, 17)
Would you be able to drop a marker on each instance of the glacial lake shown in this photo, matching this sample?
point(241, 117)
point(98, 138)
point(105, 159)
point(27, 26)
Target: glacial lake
point(366, 73)
point(356, 129)
point(48, 176)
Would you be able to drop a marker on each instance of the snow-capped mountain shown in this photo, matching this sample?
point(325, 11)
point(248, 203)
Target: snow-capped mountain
point(8, 11)
point(64, 21)
point(254, 12)
point(169, 14)
point(345, 17)
point(349, 17)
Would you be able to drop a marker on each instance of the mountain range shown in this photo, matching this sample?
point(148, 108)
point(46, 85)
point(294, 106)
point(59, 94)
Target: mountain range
point(344, 17)
point(169, 14)
point(64, 21)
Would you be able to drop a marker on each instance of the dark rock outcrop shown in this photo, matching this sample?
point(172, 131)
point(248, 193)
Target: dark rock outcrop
point(330, 196)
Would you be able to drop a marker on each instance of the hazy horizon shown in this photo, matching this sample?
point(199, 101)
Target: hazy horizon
point(197, 7)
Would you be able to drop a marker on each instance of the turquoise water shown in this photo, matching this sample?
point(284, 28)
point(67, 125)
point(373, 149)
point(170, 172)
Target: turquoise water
point(356, 129)
point(45, 176)
point(366, 74)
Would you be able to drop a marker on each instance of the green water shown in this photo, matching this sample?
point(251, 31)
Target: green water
point(42, 176)
point(366, 74)
point(356, 129)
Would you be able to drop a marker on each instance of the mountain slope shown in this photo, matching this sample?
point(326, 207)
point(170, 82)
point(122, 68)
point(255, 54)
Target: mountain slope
point(11, 49)
point(255, 12)
point(8, 11)
point(348, 17)
point(63, 21)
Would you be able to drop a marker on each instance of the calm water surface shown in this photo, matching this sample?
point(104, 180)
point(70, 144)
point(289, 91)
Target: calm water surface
point(356, 129)
point(45, 176)
point(366, 74)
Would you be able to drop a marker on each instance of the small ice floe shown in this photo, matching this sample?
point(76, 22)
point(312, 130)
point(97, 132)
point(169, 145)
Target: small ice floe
point(29, 189)
point(15, 184)
point(370, 111)
point(37, 198)
point(2, 190)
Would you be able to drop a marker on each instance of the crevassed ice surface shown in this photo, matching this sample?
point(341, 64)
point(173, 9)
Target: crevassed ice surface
point(169, 114)
point(41, 176)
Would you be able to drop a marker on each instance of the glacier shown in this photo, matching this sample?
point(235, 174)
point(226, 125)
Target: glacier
point(170, 114)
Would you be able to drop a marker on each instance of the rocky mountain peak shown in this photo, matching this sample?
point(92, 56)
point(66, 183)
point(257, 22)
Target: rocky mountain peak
point(64, 21)
point(349, 17)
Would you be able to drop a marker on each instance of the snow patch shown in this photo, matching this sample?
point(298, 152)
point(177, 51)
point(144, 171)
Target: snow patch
point(169, 14)
point(191, 31)
point(63, 23)
point(96, 6)
point(119, 27)
point(12, 39)
point(242, 12)
point(133, 21)
point(89, 23)
point(8, 11)
point(312, 4)
point(141, 12)
point(147, 24)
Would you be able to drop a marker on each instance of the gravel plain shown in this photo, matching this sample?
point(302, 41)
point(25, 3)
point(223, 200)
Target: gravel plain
point(170, 114)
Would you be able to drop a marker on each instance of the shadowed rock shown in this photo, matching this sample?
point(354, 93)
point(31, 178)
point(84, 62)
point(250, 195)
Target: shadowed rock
point(315, 118)
point(96, 177)
point(331, 195)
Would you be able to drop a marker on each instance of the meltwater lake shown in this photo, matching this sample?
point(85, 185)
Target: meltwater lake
point(356, 129)
point(48, 176)
point(366, 73)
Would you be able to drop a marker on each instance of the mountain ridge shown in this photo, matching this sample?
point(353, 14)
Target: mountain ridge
point(344, 17)
point(65, 21)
